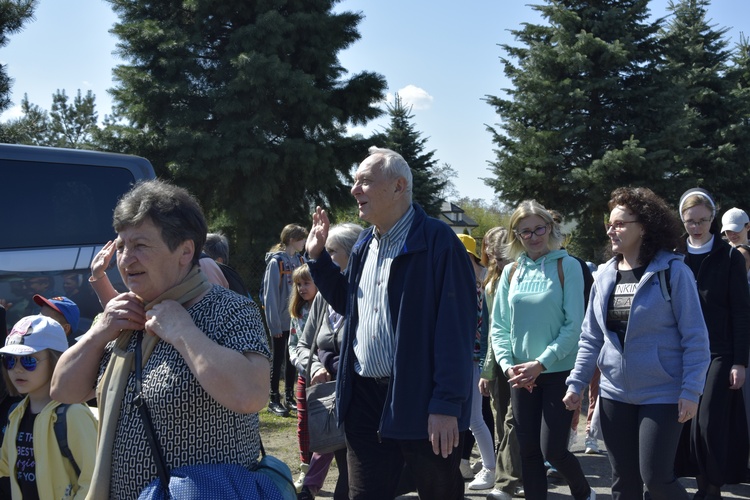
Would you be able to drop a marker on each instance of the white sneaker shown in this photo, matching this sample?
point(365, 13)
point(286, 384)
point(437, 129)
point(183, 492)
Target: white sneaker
point(496, 494)
point(592, 496)
point(592, 446)
point(572, 439)
point(484, 479)
point(303, 468)
point(466, 471)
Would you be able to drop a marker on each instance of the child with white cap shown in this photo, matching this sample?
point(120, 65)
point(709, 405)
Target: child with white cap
point(32, 451)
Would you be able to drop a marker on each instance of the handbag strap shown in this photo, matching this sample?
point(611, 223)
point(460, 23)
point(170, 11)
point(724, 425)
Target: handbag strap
point(148, 425)
point(314, 345)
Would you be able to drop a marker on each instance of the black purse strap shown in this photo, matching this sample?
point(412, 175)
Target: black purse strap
point(148, 425)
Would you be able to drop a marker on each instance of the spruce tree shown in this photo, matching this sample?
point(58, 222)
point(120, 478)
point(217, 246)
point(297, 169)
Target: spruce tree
point(401, 136)
point(588, 111)
point(13, 14)
point(698, 63)
point(244, 103)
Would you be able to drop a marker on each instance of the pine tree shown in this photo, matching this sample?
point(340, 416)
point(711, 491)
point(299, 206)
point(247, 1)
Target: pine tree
point(244, 103)
point(737, 131)
point(588, 111)
point(13, 13)
point(66, 125)
point(697, 62)
point(401, 136)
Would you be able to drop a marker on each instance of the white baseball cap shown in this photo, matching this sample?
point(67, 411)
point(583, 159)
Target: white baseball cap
point(734, 219)
point(33, 334)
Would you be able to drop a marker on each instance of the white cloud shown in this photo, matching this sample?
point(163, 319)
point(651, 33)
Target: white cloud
point(418, 98)
point(86, 83)
point(11, 113)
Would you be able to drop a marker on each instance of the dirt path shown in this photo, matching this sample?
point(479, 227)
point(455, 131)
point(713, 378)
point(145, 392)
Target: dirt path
point(280, 439)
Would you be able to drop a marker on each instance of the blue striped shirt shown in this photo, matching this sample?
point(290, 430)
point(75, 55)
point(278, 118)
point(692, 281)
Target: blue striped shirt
point(375, 341)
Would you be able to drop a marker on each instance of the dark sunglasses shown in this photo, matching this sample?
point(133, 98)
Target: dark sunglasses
point(28, 363)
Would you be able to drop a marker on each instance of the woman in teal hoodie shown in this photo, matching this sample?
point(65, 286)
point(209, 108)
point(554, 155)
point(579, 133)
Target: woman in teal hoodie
point(536, 324)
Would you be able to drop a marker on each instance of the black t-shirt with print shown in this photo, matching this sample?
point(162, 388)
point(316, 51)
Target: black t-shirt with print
point(25, 463)
point(618, 308)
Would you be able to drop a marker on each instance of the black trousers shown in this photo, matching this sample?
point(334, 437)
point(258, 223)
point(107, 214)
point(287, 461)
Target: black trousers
point(281, 357)
point(641, 444)
point(542, 427)
point(375, 465)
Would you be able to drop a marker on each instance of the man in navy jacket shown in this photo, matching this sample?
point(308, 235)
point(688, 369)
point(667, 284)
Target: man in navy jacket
point(408, 294)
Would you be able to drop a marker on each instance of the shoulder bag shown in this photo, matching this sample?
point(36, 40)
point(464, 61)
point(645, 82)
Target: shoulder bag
point(271, 480)
point(325, 436)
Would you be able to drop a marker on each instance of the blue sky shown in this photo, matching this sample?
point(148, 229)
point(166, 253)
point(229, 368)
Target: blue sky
point(441, 58)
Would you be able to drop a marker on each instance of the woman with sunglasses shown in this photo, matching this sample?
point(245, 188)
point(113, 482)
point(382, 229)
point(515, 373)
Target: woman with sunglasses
point(715, 445)
point(30, 448)
point(645, 332)
point(536, 323)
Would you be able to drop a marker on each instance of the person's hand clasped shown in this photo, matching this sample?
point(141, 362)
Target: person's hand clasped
point(318, 235)
point(686, 410)
point(443, 432)
point(523, 376)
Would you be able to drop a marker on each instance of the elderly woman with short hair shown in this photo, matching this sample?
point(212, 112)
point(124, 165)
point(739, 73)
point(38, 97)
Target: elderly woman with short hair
point(206, 369)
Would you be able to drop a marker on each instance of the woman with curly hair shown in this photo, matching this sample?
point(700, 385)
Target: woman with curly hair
point(645, 331)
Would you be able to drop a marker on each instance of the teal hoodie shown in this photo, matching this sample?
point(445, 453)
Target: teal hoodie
point(535, 317)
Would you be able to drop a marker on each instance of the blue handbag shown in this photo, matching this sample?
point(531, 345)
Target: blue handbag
point(271, 479)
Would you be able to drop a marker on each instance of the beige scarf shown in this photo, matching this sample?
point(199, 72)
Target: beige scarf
point(111, 388)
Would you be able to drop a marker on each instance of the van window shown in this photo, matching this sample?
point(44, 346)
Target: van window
point(61, 204)
point(57, 207)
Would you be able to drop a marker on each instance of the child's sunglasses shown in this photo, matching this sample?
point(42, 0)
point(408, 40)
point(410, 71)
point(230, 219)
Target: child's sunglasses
point(28, 363)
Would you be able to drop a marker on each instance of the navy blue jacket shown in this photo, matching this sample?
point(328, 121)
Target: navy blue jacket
point(432, 297)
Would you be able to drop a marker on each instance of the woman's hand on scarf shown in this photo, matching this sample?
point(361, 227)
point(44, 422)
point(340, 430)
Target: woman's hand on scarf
point(169, 321)
point(124, 312)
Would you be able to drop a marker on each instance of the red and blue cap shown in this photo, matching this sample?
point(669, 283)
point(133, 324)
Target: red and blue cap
point(64, 306)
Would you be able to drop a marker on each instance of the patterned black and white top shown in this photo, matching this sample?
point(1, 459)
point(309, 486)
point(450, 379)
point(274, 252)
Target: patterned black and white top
point(192, 427)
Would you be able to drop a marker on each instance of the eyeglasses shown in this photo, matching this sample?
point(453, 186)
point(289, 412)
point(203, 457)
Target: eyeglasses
point(691, 222)
point(617, 225)
point(29, 363)
point(528, 233)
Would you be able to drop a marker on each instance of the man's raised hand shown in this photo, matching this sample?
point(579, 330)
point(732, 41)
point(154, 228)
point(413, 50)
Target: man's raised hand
point(316, 240)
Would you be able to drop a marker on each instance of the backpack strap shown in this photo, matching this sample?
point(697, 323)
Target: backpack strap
point(61, 433)
point(513, 268)
point(665, 282)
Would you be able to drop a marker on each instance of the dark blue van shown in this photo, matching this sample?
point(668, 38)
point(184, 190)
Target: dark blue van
point(56, 206)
